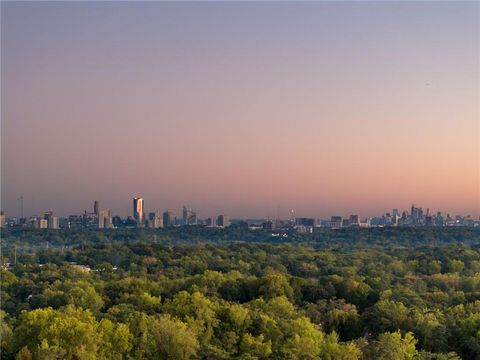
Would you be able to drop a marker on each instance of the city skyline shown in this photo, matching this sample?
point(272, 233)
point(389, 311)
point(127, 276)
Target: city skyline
point(247, 109)
point(141, 213)
point(154, 219)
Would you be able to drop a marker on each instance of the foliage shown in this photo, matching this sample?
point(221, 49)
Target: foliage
point(197, 293)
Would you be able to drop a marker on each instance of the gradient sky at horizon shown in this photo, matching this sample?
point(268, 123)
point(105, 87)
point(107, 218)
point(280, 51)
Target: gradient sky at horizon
point(241, 108)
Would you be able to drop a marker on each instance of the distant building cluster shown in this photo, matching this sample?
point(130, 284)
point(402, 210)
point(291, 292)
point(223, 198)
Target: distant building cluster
point(103, 219)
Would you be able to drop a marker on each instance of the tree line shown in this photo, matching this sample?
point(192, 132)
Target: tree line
point(206, 294)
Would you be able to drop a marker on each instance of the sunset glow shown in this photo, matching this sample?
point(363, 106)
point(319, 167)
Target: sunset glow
point(244, 108)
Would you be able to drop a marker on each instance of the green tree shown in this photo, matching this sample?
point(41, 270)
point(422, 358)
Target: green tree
point(168, 338)
point(255, 347)
point(275, 284)
point(303, 339)
point(331, 349)
point(393, 346)
point(68, 334)
point(116, 340)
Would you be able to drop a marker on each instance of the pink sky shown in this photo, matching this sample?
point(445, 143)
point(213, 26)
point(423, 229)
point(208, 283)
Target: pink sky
point(241, 108)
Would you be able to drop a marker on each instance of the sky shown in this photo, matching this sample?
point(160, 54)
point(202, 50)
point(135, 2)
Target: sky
point(250, 109)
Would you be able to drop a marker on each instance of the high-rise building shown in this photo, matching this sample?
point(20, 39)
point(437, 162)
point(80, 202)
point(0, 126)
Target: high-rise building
point(429, 220)
point(42, 223)
point(336, 222)
point(154, 220)
point(439, 221)
point(96, 208)
point(396, 220)
point(416, 215)
point(138, 213)
point(223, 220)
point(90, 221)
point(64, 223)
point(267, 225)
point(152, 215)
point(102, 214)
point(169, 218)
point(53, 222)
point(75, 221)
point(108, 223)
point(189, 216)
point(2, 219)
point(47, 215)
point(354, 220)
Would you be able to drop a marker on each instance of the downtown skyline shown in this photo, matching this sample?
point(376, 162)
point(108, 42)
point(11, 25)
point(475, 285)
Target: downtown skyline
point(247, 109)
point(141, 212)
point(102, 218)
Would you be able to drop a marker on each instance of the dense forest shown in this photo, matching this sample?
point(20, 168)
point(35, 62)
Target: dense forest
point(200, 293)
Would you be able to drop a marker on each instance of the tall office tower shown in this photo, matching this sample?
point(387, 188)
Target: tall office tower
point(53, 222)
point(154, 220)
point(138, 210)
point(47, 215)
point(90, 221)
point(96, 208)
point(101, 218)
point(416, 215)
point(152, 215)
point(75, 221)
point(223, 220)
point(63, 223)
point(169, 218)
point(396, 220)
point(42, 223)
point(420, 215)
point(2, 219)
point(439, 219)
point(267, 225)
point(354, 220)
point(189, 216)
point(109, 222)
point(336, 222)
point(429, 220)
point(192, 218)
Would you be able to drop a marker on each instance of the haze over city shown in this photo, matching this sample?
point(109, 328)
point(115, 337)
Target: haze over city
point(241, 108)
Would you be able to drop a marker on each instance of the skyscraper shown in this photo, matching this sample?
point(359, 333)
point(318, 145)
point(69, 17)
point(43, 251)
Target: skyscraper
point(416, 215)
point(95, 207)
point(154, 220)
point(52, 221)
point(169, 218)
point(223, 221)
point(189, 216)
point(101, 218)
point(354, 220)
point(2, 219)
point(336, 222)
point(138, 210)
